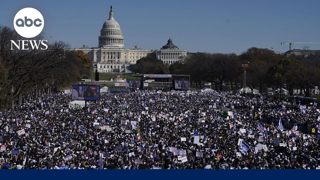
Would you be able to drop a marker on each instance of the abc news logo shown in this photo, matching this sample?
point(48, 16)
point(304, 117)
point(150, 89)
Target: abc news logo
point(28, 23)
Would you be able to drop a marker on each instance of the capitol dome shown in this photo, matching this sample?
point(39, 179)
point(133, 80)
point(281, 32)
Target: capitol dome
point(111, 34)
point(170, 45)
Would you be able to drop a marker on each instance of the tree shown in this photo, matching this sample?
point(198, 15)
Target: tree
point(84, 62)
point(260, 60)
point(226, 68)
point(150, 65)
point(35, 70)
point(176, 68)
point(198, 67)
point(289, 71)
point(312, 77)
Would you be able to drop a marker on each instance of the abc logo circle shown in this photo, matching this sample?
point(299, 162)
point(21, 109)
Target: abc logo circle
point(28, 22)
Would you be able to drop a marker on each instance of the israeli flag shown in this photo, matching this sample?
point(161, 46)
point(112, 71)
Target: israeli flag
point(265, 134)
point(302, 109)
point(234, 127)
point(280, 126)
point(33, 117)
point(244, 147)
point(100, 161)
point(134, 125)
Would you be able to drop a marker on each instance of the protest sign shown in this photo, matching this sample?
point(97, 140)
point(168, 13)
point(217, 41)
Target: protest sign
point(138, 161)
point(196, 140)
point(21, 132)
point(3, 148)
point(199, 154)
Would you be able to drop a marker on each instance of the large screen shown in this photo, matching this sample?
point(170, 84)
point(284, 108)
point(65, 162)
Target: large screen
point(181, 84)
point(85, 92)
point(133, 83)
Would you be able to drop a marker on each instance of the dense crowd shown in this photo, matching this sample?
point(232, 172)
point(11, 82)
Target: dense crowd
point(159, 130)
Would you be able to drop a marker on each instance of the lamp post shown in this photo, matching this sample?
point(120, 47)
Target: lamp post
point(245, 66)
point(12, 102)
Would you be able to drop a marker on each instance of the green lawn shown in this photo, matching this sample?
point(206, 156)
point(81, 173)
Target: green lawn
point(103, 76)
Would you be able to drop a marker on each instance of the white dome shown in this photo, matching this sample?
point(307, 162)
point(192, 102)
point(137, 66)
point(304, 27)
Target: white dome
point(111, 34)
point(111, 24)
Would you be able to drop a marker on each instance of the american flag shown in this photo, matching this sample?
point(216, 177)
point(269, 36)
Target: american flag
point(260, 128)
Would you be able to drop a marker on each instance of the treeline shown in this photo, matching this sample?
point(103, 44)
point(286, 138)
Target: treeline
point(266, 69)
point(34, 71)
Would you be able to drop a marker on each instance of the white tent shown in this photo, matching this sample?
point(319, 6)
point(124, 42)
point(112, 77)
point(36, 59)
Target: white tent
point(248, 90)
point(76, 104)
point(104, 89)
point(207, 90)
point(67, 91)
point(283, 91)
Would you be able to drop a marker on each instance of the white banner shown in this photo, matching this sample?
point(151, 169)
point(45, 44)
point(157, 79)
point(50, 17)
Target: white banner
point(21, 132)
point(196, 140)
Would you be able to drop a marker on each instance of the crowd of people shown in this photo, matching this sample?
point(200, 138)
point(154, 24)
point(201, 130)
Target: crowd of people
point(159, 130)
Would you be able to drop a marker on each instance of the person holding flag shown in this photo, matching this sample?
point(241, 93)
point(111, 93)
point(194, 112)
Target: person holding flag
point(244, 147)
point(280, 126)
point(100, 161)
point(260, 127)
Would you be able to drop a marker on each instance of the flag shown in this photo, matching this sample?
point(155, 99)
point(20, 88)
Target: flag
point(134, 124)
point(260, 128)
point(244, 147)
point(33, 117)
point(302, 109)
point(100, 161)
point(280, 126)
point(265, 134)
point(234, 127)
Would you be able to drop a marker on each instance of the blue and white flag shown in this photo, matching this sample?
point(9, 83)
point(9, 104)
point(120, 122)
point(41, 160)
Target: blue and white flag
point(68, 158)
point(302, 109)
point(33, 117)
point(134, 124)
point(100, 161)
point(234, 127)
point(244, 147)
point(280, 126)
point(265, 134)
point(64, 167)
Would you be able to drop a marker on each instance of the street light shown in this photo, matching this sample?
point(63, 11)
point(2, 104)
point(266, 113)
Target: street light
point(12, 103)
point(245, 66)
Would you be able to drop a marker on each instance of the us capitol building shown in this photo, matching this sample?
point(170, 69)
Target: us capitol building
point(111, 56)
